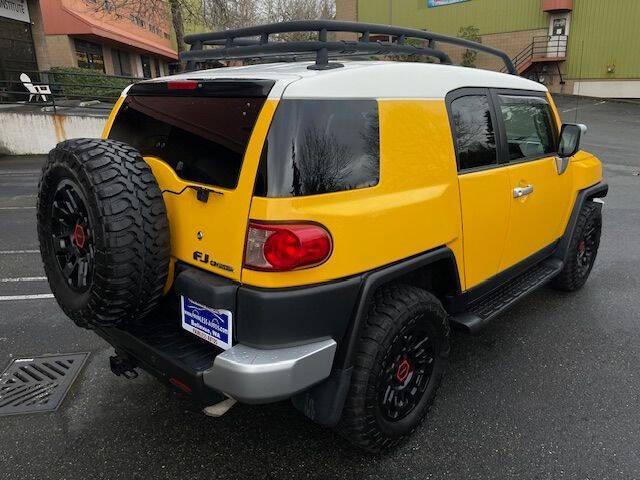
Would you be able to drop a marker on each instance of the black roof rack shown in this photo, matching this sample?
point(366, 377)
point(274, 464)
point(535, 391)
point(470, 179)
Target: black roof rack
point(255, 43)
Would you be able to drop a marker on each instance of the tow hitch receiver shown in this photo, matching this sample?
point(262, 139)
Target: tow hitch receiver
point(122, 366)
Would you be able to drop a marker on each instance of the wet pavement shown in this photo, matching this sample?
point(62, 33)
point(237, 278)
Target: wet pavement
point(550, 390)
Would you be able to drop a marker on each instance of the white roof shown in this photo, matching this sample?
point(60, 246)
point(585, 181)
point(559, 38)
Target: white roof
point(368, 79)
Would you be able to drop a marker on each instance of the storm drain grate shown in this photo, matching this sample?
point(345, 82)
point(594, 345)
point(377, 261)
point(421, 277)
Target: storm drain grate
point(38, 384)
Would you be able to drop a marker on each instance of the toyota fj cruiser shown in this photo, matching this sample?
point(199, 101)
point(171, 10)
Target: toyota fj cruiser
point(311, 229)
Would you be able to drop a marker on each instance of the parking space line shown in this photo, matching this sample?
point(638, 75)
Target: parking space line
point(17, 208)
point(17, 252)
point(583, 106)
point(8, 298)
point(22, 279)
point(21, 172)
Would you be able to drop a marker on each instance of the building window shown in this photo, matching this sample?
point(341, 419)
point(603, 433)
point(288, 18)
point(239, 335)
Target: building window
point(17, 53)
point(157, 65)
point(121, 63)
point(146, 66)
point(474, 134)
point(89, 55)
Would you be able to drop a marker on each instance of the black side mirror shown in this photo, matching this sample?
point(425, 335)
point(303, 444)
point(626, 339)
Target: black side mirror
point(570, 136)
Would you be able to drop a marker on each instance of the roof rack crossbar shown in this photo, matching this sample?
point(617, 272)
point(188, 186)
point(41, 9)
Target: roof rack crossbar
point(321, 48)
point(255, 42)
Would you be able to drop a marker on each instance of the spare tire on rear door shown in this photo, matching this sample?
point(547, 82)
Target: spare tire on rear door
point(103, 231)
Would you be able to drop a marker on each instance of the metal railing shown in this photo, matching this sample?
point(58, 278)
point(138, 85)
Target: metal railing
point(545, 46)
point(67, 89)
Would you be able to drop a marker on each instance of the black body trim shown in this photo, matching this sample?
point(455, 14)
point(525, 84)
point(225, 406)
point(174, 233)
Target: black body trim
point(477, 293)
point(206, 288)
point(372, 281)
point(270, 318)
point(277, 318)
point(478, 314)
point(167, 352)
point(324, 402)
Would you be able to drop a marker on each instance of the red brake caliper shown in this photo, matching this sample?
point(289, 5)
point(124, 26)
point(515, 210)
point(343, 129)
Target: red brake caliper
point(79, 236)
point(403, 370)
point(582, 246)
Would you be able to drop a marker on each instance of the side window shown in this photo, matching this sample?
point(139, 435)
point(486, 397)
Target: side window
point(474, 132)
point(529, 127)
point(320, 146)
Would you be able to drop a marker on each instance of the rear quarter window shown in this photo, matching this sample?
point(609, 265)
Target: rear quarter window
point(320, 146)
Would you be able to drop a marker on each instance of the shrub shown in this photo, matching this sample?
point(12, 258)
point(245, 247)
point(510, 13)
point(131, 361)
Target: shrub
point(83, 84)
point(470, 33)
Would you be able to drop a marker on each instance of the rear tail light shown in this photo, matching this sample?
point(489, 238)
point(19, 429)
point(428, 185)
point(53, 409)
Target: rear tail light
point(283, 247)
point(182, 85)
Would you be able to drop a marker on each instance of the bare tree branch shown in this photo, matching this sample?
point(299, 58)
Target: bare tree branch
point(214, 14)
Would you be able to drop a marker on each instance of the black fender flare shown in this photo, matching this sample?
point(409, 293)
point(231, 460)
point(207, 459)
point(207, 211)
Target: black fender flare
point(324, 402)
point(599, 190)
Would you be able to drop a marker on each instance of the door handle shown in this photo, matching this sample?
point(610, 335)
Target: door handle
point(519, 192)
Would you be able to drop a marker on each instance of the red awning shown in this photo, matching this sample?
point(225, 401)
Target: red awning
point(61, 18)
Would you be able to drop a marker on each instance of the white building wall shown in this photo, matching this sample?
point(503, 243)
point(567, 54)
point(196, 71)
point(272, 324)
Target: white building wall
point(607, 88)
point(37, 133)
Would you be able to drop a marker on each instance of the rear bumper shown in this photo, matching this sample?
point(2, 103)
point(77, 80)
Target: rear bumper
point(247, 374)
point(284, 341)
point(252, 375)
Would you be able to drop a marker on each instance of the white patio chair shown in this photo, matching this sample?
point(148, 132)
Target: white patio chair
point(35, 90)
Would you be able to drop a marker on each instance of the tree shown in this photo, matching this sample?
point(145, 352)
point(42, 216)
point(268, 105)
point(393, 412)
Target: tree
point(226, 14)
point(470, 33)
point(213, 14)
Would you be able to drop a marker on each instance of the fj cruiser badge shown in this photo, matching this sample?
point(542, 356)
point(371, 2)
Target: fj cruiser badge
point(205, 258)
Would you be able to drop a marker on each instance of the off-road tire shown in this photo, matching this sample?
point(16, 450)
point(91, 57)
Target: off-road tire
point(363, 423)
point(127, 226)
point(589, 224)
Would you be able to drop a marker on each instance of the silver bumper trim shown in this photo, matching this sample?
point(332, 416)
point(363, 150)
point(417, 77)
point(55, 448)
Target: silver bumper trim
point(252, 375)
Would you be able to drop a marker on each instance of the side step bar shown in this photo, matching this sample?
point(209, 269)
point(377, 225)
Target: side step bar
point(491, 305)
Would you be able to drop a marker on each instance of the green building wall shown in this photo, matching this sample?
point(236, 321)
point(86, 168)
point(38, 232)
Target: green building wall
point(603, 33)
point(490, 16)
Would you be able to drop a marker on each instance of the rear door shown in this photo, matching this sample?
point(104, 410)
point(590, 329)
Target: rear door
point(539, 195)
point(484, 182)
point(202, 140)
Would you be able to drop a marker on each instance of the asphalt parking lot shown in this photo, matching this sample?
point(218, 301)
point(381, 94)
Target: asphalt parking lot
point(550, 390)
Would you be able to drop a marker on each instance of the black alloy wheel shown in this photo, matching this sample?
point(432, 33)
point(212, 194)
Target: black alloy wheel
point(398, 365)
point(583, 249)
point(587, 248)
point(406, 371)
point(72, 237)
point(103, 232)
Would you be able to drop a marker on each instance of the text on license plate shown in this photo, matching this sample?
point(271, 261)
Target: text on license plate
point(213, 325)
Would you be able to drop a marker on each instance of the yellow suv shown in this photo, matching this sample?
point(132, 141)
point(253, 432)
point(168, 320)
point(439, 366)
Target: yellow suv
point(311, 230)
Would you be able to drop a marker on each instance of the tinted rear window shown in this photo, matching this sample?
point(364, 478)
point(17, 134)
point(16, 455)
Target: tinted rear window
point(203, 138)
point(320, 146)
